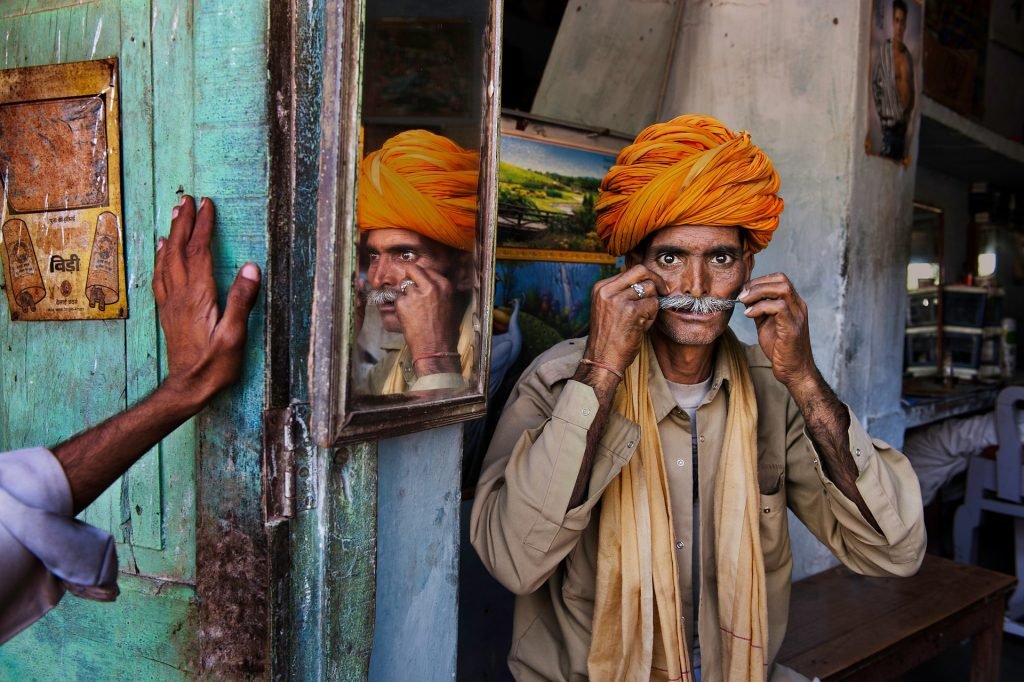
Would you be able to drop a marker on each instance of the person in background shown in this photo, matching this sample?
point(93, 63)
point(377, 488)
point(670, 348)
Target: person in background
point(940, 451)
point(44, 550)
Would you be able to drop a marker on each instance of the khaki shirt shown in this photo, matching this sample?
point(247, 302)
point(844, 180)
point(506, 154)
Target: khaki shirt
point(378, 375)
point(547, 556)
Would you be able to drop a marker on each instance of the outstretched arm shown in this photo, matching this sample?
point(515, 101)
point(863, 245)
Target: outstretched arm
point(204, 355)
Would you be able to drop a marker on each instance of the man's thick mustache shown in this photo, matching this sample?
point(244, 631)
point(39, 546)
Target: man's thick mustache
point(704, 305)
point(381, 296)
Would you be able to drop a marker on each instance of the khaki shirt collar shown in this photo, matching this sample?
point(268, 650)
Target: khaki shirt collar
point(661, 395)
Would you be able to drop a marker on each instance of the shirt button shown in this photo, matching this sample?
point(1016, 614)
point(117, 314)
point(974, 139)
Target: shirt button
point(701, 439)
point(767, 510)
point(680, 462)
point(679, 544)
point(858, 452)
point(585, 412)
point(630, 444)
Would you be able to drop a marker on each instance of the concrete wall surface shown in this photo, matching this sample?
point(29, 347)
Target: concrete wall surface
point(608, 63)
point(795, 74)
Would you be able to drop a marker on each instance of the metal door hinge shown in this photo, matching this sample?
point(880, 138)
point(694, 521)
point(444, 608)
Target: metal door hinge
point(289, 463)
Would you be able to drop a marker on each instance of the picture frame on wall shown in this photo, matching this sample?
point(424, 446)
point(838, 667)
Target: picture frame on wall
point(895, 77)
point(548, 253)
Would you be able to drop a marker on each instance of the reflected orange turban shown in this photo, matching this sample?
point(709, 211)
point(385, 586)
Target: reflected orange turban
point(691, 170)
point(422, 182)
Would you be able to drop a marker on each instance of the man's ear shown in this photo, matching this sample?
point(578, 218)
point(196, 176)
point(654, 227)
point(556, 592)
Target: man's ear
point(748, 260)
point(634, 257)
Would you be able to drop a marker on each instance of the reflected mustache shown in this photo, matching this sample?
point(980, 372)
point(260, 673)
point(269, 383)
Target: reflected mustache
point(704, 305)
point(381, 296)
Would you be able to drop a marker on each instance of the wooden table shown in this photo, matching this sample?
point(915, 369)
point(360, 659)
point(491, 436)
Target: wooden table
point(844, 626)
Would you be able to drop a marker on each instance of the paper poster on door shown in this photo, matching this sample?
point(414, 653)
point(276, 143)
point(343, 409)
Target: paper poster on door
point(60, 167)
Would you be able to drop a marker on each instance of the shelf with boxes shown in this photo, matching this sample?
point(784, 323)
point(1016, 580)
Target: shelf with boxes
point(955, 331)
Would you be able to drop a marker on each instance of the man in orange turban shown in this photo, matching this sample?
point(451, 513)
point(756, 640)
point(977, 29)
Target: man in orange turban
point(634, 494)
point(416, 212)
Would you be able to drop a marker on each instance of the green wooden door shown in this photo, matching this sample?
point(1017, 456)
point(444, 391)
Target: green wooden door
point(193, 88)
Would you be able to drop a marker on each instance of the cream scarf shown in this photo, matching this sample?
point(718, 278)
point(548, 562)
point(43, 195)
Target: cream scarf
point(395, 381)
point(638, 634)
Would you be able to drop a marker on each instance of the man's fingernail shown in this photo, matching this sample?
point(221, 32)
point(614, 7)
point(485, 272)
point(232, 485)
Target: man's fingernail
point(159, 243)
point(175, 211)
point(181, 202)
point(743, 294)
point(204, 201)
point(251, 272)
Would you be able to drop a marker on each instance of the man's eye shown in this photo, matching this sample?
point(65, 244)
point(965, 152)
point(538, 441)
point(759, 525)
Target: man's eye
point(408, 256)
point(722, 259)
point(666, 259)
point(374, 257)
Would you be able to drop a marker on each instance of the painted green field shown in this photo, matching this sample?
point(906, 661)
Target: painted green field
point(537, 190)
point(570, 197)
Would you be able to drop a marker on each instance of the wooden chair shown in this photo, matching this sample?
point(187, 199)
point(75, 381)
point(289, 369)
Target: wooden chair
point(995, 485)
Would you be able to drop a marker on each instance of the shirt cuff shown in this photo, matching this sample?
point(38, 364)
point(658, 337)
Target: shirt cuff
point(35, 508)
point(861, 447)
point(440, 381)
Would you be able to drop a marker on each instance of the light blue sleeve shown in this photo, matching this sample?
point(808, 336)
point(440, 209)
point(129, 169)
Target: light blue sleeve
point(43, 549)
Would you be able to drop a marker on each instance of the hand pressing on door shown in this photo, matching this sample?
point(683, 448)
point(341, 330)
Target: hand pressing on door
point(204, 353)
point(43, 549)
point(204, 347)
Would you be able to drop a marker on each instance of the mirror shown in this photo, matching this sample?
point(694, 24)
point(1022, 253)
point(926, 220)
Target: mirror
point(926, 252)
point(405, 254)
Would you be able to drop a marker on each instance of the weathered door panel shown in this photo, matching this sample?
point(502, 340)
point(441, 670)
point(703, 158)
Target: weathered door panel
point(149, 633)
point(95, 368)
point(193, 88)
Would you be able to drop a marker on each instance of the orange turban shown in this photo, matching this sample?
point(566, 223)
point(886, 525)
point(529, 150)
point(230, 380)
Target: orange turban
point(422, 182)
point(691, 170)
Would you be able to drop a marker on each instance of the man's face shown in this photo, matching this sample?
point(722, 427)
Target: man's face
point(899, 24)
point(699, 261)
point(392, 250)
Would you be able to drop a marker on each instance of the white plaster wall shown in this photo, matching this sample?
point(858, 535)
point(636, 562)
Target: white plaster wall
point(795, 74)
point(759, 66)
point(608, 62)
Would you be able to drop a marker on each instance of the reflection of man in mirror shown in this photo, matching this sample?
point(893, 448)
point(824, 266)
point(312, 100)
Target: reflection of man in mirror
point(892, 85)
point(634, 494)
point(416, 207)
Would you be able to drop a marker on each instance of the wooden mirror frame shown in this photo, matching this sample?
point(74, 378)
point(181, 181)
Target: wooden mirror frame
point(334, 418)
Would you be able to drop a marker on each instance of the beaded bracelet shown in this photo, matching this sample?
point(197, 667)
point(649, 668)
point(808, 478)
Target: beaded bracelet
point(602, 365)
point(441, 354)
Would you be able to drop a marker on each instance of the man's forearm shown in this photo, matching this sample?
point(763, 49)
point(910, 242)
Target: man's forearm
point(828, 424)
point(604, 384)
point(95, 458)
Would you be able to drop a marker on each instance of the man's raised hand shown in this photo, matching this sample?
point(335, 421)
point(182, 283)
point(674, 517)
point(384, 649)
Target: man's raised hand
point(620, 315)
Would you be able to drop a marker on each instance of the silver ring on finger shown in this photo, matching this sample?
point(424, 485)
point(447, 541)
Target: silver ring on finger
point(639, 289)
point(406, 283)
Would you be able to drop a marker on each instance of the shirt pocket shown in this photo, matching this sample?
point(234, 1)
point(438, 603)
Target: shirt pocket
point(580, 566)
point(774, 528)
